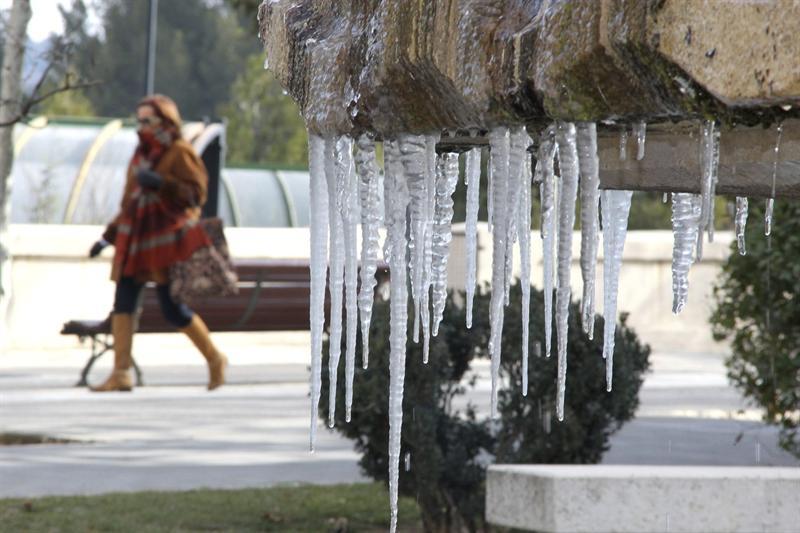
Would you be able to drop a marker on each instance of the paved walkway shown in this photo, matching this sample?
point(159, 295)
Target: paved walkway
point(173, 435)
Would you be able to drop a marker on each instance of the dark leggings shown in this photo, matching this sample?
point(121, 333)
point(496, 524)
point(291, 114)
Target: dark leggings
point(126, 300)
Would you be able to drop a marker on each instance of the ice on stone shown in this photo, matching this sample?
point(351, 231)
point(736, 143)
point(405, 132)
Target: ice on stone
point(396, 201)
point(547, 188)
point(318, 266)
point(616, 207)
point(686, 215)
point(500, 143)
point(336, 270)
point(741, 223)
point(472, 172)
point(371, 218)
point(568, 165)
point(446, 180)
point(590, 195)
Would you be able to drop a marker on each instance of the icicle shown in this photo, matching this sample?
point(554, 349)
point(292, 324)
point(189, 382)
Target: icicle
point(771, 200)
point(665, 198)
point(430, 187)
point(489, 198)
point(623, 144)
point(412, 148)
point(350, 216)
point(589, 182)
point(547, 151)
point(446, 180)
point(524, 232)
point(768, 216)
point(741, 222)
point(318, 265)
point(407, 461)
point(568, 165)
point(396, 199)
point(516, 163)
point(473, 178)
point(500, 146)
point(336, 270)
point(640, 131)
point(686, 213)
point(714, 180)
point(616, 207)
point(370, 223)
point(709, 158)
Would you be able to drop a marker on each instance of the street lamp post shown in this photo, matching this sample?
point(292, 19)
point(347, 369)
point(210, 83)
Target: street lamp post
point(150, 79)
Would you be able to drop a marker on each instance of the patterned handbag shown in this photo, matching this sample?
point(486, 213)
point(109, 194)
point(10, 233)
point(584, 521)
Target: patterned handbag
point(208, 272)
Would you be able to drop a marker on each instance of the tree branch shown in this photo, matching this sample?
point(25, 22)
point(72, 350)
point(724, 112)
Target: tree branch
point(28, 104)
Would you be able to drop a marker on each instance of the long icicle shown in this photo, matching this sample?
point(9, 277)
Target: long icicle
point(350, 219)
point(367, 170)
point(516, 167)
point(714, 169)
point(568, 165)
point(412, 147)
point(500, 145)
point(425, 301)
point(547, 188)
point(472, 173)
point(709, 160)
point(446, 180)
point(336, 270)
point(616, 207)
point(524, 232)
point(741, 223)
point(589, 182)
point(686, 214)
point(318, 265)
point(771, 199)
point(640, 131)
point(396, 198)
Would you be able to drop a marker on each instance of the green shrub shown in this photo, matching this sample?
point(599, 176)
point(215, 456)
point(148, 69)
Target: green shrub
point(450, 447)
point(757, 310)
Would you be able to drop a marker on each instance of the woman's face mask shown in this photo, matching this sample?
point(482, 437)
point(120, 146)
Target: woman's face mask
point(148, 125)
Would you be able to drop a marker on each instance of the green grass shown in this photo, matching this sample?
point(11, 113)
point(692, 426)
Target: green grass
point(359, 507)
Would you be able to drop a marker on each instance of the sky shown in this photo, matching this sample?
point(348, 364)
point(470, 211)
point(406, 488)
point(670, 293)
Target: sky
point(46, 18)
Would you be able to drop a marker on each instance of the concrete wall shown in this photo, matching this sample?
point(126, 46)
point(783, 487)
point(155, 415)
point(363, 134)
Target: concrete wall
point(53, 281)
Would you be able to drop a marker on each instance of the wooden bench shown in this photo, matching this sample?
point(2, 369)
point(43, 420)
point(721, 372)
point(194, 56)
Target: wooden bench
point(273, 296)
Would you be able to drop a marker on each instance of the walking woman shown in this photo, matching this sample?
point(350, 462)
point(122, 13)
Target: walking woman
point(155, 228)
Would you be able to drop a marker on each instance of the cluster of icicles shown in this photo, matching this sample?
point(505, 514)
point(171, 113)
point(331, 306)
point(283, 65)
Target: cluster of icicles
point(418, 185)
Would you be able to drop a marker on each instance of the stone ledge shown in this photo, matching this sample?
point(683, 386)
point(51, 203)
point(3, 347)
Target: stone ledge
point(638, 499)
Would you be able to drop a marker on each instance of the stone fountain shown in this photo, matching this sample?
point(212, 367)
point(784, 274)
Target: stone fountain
point(466, 72)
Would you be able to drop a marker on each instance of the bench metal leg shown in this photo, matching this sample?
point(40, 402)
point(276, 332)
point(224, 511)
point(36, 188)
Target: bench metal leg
point(100, 347)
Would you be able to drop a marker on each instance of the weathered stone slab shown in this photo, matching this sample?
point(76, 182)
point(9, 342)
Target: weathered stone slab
point(635, 499)
point(396, 66)
point(744, 53)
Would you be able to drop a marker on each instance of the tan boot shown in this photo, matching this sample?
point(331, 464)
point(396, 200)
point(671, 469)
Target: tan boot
point(120, 378)
point(197, 331)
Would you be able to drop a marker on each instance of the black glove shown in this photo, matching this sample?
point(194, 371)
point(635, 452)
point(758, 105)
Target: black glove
point(98, 247)
point(149, 179)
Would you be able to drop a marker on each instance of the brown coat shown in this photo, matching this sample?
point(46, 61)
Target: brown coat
point(183, 192)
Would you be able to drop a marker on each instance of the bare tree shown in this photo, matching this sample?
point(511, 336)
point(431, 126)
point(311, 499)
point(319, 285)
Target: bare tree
point(15, 106)
point(11, 106)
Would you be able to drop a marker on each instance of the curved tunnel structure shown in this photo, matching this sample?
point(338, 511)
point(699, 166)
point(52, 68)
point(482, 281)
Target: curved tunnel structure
point(71, 171)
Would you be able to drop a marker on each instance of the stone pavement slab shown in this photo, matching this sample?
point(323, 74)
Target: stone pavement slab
point(174, 435)
point(168, 437)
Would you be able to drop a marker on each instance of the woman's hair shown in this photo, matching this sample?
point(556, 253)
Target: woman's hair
point(164, 107)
